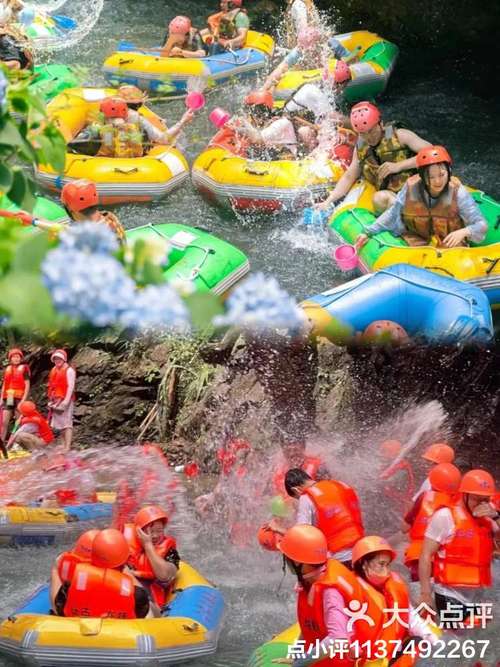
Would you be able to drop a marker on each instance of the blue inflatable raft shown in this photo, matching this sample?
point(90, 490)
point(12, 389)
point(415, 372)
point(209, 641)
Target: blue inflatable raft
point(435, 308)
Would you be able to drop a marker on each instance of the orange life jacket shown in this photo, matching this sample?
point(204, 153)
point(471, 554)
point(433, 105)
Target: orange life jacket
point(439, 220)
point(58, 383)
point(389, 149)
point(141, 564)
point(310, 465)
point(431, 502)
point(230, 140)
point(466, 560)
point(44, 430)
point(66, 564)
point(100, 593)
point(111, 220)
point(338, 513)
point(15, 380)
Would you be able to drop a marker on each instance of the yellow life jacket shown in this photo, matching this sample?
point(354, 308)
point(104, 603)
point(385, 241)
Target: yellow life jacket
point(121, 141)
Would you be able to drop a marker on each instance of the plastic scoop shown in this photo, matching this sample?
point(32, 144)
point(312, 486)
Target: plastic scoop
point(312, 216)
point(346, 257)
point(219, 117)
point(195, 100)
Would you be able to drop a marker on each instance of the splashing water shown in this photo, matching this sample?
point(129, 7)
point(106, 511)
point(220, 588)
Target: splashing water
point(84, 13)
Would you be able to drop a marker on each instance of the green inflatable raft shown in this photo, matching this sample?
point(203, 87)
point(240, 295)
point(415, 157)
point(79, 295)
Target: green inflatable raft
point(478, 264)
point(44, 208)
point(209, 263)
point(50, 80)
point(278, 647)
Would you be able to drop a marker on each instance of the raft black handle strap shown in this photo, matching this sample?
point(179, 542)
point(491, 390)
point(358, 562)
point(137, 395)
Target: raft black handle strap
point(12, 618)
point(119, 170)
point(256, 172)
point(439, 268)
point(125, 62)
point(493, 263)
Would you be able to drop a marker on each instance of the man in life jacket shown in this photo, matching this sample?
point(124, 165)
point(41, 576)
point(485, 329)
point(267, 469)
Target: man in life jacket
point(458, 547)
point(445, 480)
point(119, 137)
point(61, 396)
point(80, 199)
point(384, 156)
point(328, 593)
point(228, 29)
point(15, 49)
point(102, 589)
point(183, 40)
point(34, 431)
point(154, 559)
point(331, 506)
point(433, 208)
point(15, 388)
point(64, 567)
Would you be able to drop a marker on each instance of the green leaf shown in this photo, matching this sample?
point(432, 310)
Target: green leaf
point(6, 177)
point(28, 303)
point(19, 103)
point(22, 190)
point(30, 253)
point(203, 308)
point(10, 135)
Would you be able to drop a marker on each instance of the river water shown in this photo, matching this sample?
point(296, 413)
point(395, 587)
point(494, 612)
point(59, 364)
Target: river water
point(439, 107)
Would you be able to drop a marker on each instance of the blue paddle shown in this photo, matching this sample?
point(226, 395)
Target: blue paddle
point(63, 22)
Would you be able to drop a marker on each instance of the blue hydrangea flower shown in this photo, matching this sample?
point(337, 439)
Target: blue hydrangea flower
point(95, 290)
point(89, 237)
point(156, 307)
point(3, 88)
point(260, 304)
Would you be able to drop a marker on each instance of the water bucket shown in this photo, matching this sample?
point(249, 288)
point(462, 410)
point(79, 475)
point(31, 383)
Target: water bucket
point(314, 217)
point(219, 117)
point(195, 100)
point(346, 257)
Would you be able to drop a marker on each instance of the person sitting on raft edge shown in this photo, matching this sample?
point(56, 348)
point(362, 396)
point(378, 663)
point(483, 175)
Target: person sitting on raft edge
point(228, 29)
point(385, 156)
point(183, 40)
point(433, 208)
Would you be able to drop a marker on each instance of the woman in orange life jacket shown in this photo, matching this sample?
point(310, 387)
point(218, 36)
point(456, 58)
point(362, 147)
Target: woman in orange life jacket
point(458, 546)
point(330, 595)
point(342, 528)
point(15, 389)
point(64, 567)
point(445, 481)
point(34, 431)
point(104, 588)
point(61, 396)
point(154, 559)
point(401, 486)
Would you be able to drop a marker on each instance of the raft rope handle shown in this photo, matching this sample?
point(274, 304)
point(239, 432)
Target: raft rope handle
point(126, 62)
point(206, 252)
point(120, 170)
point(440, 268)
point(254, 172)
point(470, 300)
point(191, 627)
point(231, 62)
point(493, 262)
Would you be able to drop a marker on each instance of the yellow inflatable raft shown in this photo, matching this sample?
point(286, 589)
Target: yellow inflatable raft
point(231, 180)
point(188, 629)
point(147, 178)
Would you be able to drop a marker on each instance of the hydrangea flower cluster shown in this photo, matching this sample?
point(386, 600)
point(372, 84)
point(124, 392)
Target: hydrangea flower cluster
point(260, 304)
point(3, 88)
point(87, 283)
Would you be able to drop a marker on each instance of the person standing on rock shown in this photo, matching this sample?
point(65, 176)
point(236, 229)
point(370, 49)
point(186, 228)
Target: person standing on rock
point(61, 396)
point(15, 390)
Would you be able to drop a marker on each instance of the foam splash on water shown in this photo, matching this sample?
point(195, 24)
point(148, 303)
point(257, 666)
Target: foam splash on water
point(85, 13)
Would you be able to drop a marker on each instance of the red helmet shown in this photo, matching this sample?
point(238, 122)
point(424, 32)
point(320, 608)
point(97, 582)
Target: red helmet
point(61, 354)
point(110, 549)
point(432, 155)
point(308, 37)
point(114, 107)
point(181, 25)
point(79, 195)
point(445, 477)
point(342, 72)
point(148, 515)
point(385, 331)
point(83, 546)
point(27, 408)
point(259, 98)
point(14, 351)
point(364, 116)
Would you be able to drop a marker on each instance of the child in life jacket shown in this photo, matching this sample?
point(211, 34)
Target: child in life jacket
point(64, 567)
point(15, 388)
point(154, 559)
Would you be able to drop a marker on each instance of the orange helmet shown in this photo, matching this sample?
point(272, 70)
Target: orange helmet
point(148, 514)
point(268, 539)
point(110, 549)
point(371, 544)
point(432, 155)
point(385, 330)
point(445, 477)
point(478, 482)
point(364, 116)
point(304, 544)
point(13, 352)
point(83, 545)
point(27, 408)
point(390, 449)
point(259, 98)
point(114, 107)
point(439, 452)
point(131, 94)
point(79, 195)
